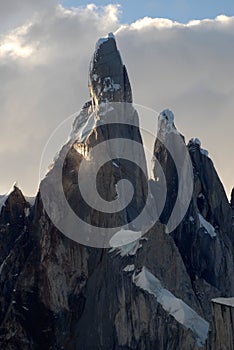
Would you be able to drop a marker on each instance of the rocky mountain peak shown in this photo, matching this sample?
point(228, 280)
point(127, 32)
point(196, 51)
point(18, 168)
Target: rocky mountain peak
point(195, 145)
point(151, 293)
point(108, 78)
point(13, 194)
point(13, 205)
point(166, 123)
point(168, 115)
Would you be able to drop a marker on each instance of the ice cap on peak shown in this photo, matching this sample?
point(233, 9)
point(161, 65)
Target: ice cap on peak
point(166, 124)
point(194, 144)
point(195, 141)
point(103, 40)
point(111, 35)
point(167, 114)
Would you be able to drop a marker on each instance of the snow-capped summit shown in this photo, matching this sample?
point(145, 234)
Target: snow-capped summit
point(195, 141)
point(102, 40)
point(166, 123)
point(168, 115)
point(195, 144)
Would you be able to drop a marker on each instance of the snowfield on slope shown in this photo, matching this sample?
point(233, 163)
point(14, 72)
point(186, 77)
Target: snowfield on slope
point(183, 313)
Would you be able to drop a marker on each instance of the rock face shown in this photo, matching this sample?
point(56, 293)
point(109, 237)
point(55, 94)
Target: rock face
point(205, 235)
point(108, 78)
point(152, 293)
point(13, 218)
point(223, 326)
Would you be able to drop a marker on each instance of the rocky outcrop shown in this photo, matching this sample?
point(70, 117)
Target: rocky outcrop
point(151, 293)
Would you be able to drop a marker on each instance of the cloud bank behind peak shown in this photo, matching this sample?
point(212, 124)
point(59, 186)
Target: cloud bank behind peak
point(45, 52)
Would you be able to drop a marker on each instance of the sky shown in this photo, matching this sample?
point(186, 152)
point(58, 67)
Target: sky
point(177, 10)
point(45, 50)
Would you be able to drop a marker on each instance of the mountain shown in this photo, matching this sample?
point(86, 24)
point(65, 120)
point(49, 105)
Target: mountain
point(137, 269)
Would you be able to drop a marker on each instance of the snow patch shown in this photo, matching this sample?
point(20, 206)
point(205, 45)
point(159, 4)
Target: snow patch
point(224, 301)
point(86, 128)
point(3, 199)
point(129, 268)
point(111, 36)
point(26, 212)
point(2, 265)
point(104, 108)
point(195, 141)
point(204, 152)
point(183, 314)
point(128, 249)
point(109, 85)
point(95, 77)
point(116, 86)
point(25, 308)
point(116, 165)
point(207, 226)
point(125, 242)
point(124, 237)
point(79, 121)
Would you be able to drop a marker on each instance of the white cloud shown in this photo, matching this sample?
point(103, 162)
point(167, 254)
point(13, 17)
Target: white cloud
point(44, 72)
point(13, 44)
point(187, 67)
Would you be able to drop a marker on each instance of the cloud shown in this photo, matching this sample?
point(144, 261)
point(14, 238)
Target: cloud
point(187, 67)
point(15, 13)
point(44, 72)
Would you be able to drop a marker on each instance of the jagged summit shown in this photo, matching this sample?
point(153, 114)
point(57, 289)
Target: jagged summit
point(167, 114)
point(108, 78)
point(3, 198)
point(195, 144)
point(13, 207)
point(166, 123)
